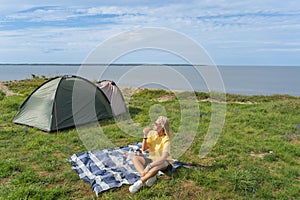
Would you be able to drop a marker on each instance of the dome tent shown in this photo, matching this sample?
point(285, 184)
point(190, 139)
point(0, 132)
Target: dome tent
point(114, 95)
point(60, 102)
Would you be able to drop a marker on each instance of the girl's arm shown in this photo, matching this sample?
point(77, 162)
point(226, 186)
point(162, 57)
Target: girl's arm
point(160, 160)
point(144, 143)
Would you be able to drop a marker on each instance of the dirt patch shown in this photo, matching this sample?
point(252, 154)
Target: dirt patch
point(5, 89)
point(295, 142)
point(260, 155)
point(128, 92)
point(165, 98)
point(190, 190)
point(236, 102)
point(6, 181)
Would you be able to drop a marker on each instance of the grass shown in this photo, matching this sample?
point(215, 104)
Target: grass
point(257, 155)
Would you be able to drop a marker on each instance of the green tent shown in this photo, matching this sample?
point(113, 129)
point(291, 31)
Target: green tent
point(64, 102)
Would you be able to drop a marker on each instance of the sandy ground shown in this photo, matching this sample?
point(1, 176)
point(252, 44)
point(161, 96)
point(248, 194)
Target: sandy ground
point(6, 90)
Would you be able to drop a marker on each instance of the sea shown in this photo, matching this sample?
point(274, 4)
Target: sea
point(246, 80)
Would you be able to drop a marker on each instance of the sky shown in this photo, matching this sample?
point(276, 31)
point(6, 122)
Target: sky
point(232, 32)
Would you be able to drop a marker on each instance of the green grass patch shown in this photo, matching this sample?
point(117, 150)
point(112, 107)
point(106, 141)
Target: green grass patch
point(257, 155)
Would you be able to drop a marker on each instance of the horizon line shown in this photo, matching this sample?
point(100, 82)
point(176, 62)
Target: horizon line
point(149, 64)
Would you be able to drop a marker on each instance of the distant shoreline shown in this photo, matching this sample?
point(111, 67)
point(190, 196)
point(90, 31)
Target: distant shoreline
point(253, 80)
point(133, 90)
point(136, 64)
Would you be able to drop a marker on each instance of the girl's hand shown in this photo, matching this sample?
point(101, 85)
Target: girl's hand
point(143, 173)
point(146, 131)
point(146, 170)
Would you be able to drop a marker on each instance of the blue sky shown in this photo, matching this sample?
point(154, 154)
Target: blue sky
point(233, 32)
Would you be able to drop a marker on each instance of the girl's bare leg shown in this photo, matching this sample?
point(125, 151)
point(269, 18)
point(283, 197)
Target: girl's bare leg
point(139, 163)
point(153, 171)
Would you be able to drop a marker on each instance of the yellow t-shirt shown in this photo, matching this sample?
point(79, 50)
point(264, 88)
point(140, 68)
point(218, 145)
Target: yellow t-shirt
point(157, 145)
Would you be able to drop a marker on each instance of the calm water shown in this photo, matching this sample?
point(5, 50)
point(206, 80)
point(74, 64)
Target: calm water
point(237, 79)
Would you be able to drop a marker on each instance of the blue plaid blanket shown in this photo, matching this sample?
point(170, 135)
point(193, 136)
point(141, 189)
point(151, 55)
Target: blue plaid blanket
point(108, 168)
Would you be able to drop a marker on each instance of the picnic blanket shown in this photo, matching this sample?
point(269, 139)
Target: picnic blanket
point(109, 168)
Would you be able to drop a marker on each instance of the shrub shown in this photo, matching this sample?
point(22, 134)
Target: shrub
point(2, 95)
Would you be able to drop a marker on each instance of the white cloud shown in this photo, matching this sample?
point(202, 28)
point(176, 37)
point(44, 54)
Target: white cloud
point(280, 49)
point(69, 27)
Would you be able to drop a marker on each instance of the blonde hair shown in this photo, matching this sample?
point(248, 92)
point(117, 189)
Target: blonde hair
point(165, 124)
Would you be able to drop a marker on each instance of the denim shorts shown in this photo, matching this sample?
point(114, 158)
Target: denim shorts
point(147, 161)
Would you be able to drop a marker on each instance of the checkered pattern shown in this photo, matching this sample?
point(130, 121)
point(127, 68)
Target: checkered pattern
point(106, 169)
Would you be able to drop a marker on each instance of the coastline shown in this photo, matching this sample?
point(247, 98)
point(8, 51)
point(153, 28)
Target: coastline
point(252, 80)
point(172, 94)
